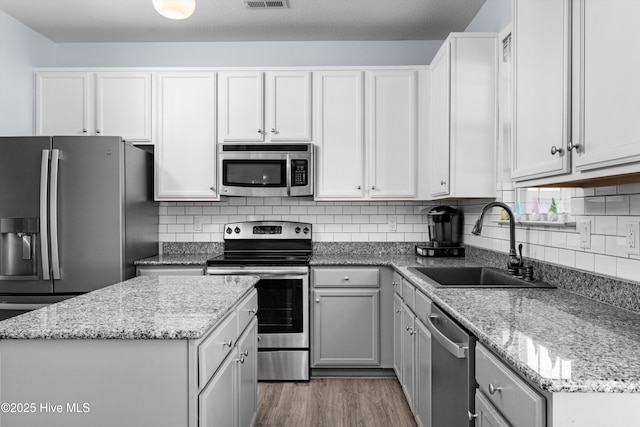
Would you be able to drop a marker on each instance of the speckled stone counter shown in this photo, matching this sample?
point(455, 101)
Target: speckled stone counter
point(166, 307)
point(559, 340)
point(197, 258)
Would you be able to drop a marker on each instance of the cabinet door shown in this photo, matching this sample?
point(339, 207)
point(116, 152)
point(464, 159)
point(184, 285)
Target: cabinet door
point(62, 103)
point(408, 355)
point(248, 375)
point(340, 134)
point(609, 86)
point(241, 106)
point(289, 105)
point(486, 414)
point(397, 336)
point(346, 327)
point(392, 134)
point(123, 105)
point(217, 402)
point(542, 88)
point(186, 149)
point(422, 404)
point(440, 124)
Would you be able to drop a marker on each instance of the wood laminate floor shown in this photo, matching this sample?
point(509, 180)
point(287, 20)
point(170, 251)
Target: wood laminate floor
point(333, 402)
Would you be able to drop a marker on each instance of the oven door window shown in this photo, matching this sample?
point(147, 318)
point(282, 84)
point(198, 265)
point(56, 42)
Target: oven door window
point(254, 173)
point(280, 306)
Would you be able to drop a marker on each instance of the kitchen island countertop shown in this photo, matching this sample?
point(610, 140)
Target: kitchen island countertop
point(164, 307)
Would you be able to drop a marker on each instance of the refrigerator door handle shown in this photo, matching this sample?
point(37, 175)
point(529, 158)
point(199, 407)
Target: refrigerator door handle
point(53, 213)
point(44, 220)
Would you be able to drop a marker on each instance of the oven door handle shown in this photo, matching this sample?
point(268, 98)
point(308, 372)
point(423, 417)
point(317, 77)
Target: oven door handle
point(256, 272)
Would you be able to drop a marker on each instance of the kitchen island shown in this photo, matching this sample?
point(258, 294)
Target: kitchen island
point(141, 352)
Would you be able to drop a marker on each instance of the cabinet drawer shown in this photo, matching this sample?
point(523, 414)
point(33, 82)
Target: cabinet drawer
point(518, 402)
point(423, 306)
point(348, 277)
point(214, 348)
point(409, 294)
point(247, 310)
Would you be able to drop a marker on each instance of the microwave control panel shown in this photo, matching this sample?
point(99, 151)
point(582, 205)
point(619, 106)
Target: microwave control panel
point(299, 172)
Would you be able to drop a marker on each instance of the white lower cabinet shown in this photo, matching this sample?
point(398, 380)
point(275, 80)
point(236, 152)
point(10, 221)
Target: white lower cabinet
point(486, 414)
point(230, 397)
point(397, 336)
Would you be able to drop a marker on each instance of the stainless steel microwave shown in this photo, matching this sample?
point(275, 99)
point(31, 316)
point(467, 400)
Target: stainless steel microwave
point(265, 170)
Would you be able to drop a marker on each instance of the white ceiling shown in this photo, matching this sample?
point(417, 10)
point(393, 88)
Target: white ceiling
point(67, 21)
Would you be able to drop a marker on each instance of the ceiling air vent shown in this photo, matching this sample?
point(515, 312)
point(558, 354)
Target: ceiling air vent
point(270, 4)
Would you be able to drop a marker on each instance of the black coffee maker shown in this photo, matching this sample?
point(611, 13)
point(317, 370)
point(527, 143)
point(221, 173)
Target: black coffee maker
point(445, 233)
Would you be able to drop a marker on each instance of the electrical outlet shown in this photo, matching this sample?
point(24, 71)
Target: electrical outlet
point(393, 223)
point(631, 238)
point(197, 223)
point(584, 228)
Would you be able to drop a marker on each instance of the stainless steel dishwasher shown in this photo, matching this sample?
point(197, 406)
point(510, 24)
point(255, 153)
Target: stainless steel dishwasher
point(453, 373)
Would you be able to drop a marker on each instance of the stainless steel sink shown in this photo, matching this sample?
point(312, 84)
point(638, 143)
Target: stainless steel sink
point(474, 277)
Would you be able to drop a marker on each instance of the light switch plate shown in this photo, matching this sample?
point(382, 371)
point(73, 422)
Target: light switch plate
point(632, 244)
point(584, 228)
point(393, 223)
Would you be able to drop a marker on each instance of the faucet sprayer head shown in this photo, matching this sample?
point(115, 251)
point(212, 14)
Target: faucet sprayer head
point(477, 227)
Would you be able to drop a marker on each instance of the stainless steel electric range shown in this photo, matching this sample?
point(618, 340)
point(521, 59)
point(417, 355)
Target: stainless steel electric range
point(278, 252)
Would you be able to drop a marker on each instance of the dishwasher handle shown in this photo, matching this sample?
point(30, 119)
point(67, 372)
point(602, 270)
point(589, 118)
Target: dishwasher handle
point(457, 349)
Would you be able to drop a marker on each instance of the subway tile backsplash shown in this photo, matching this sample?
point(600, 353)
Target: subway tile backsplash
point(332, 221)
point(608, 208)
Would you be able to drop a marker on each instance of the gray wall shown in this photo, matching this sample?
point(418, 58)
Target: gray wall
point(493, 16)
point(247, 54)
point(21, 49)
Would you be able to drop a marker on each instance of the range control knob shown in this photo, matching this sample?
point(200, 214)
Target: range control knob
point(228, 230)
point(237, 230)
point(306, 230)
point(297, 230)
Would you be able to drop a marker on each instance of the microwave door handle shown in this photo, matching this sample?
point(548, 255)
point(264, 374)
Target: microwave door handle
point(44, 218)
point(288, 174)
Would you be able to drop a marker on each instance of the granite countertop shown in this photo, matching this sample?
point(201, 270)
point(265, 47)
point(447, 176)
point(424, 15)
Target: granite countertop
point(178, 259)
point(559, 340)
point(165, 307)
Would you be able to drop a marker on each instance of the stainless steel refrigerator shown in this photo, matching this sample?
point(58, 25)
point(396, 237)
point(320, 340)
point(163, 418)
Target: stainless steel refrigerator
point(75, 213)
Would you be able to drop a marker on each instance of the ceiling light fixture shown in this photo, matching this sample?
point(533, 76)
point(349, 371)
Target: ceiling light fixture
point(175, 9)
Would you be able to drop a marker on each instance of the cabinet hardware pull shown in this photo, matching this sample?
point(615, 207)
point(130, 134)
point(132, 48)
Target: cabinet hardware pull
point(84, 131)
point(556, 150)
point(443, 182)
point(98, 131)
point(317, 299)
point(253, 310)
point(471, 416)
point(245, 353)
point(493, 389)
point(373, 187)
point(359, 187)
point(273, 130)
point(571, 146)
point(397, 310)
point(241, 359)
point(346, 278)
point(227, 343)
point(259, 130)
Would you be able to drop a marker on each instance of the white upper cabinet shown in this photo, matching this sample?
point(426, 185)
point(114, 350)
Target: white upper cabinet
point(608, 84)
point(392, 134)
point(289, 106)
point(185, 153)
point(541, 54)
point(242, 101)
point(339, 134)
point(88, 103)
point(464, 115)
point(366, 134)
point(577, 96)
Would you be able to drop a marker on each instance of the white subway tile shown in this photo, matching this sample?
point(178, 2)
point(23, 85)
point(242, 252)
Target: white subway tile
point(167, 219)
point(323, 237)
point(343, 219)
point(551, 255)
point(342, 237)
point(185, 219)
point(615, 246)
point(577, 206)
point(567, 258)
point(351, 228)
point(559, 239)
point(237, 218)
point(387, 210)
point(211, 210)
point(368, 228)
point(184, 237)
point(246, 210)
point(211, 228)
point(605, 265)
point(298, 210)
point(369, 210)
point(175, 228)
point(273, 201)
point(360, 219)
point(585, 261)
point(312, 219)
point(263, 210)
point(326, 219)
point(377, 237)
point(377, 219)
point(395, 237)
point(290, 201)
point(220, 219)
point(295, 218)
point(255, 201)
point(193, 210)
point(175, 210)
point(607, 225)
point(333, 210)
point(360, 237)
point(333, 228)
point(405, 210)
point(166, 237)
point(598, 244)
point(237, 201)
point(317, 210)
point(281, 210)
point(634, 202)
point(202, 237)
point(628, 269)
point(229, 210)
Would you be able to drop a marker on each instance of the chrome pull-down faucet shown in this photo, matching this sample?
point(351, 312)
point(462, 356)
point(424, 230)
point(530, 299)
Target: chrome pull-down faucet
point(515, 261)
